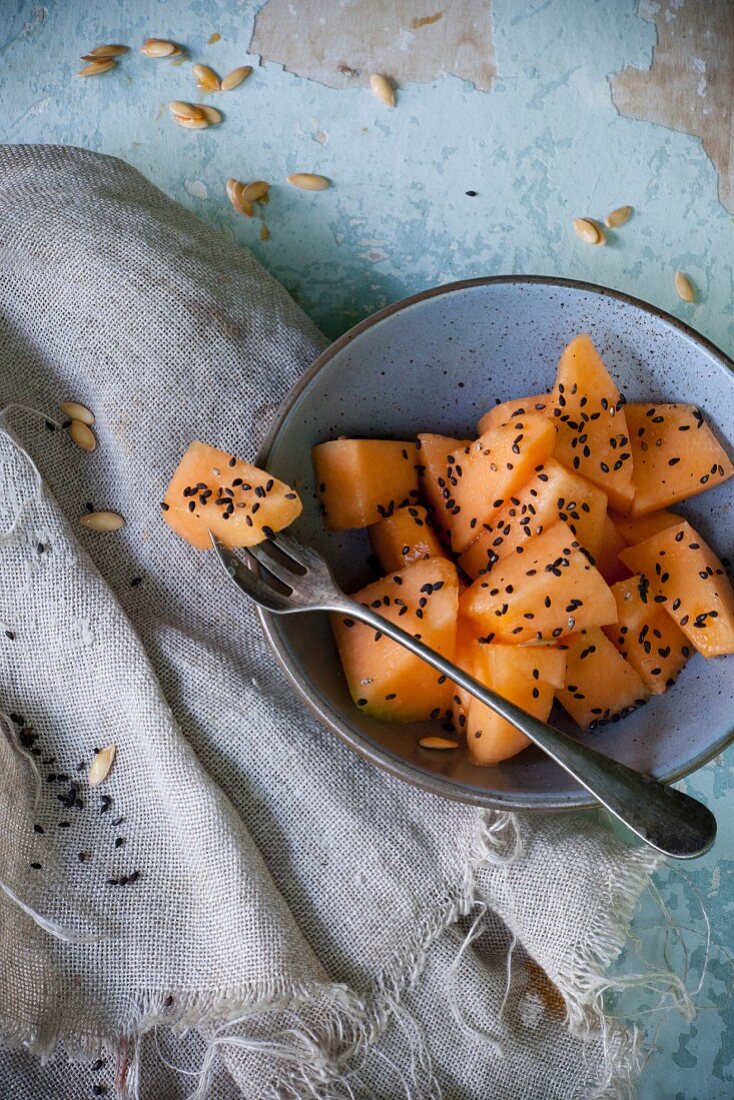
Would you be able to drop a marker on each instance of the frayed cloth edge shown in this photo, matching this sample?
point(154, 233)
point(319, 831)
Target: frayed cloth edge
point(313, 1062)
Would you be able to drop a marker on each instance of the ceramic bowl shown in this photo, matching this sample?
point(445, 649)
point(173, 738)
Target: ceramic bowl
point(437, 362)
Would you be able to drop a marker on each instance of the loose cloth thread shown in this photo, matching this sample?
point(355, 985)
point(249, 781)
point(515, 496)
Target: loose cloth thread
point(304, 920)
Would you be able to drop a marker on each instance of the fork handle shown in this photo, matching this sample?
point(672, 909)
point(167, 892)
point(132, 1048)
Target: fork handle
point(665, 818)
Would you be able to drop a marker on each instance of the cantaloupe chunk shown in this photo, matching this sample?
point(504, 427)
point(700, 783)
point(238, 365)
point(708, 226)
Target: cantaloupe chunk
point(675, 455)
point(687, 579)
point(211, 490)
point(361, 480)
point(588, 412)
point(647, 636)
point(497, 465)
point(549, 590)
point(607, 559)
point(437, 457)
point(600, 685)
point(644, 527)
point(385, 679)
point(404, 537)
point(525, 675)
point(511, 410)
point(552, 494)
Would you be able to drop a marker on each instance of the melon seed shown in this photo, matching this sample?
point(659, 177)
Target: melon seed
point(589, 231)
point(234, 194)
point(254, 191)
point(382, 89)
point(102, 521)
point(618, 217)
point(180, 109)
point(82, 435)
point(437, 743)
point(206, 78)
point(684, 287)
point(234, 190)
point(99, 769)
point(307, 181)
point(97, 67)
point(191, 123)
point(101, 53)
point(74, 411)
point(211, 114)
point(236, 77)
point(159, 47)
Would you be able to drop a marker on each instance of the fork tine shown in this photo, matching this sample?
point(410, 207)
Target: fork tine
point(291, 547)
point(247, 581)
point(268, 561)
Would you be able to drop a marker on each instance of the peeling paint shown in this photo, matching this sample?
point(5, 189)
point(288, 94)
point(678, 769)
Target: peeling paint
point(365, 36)
point(693, 39)
point(197, 189)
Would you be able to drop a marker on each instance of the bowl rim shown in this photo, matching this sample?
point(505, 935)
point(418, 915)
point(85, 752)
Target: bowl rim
point(403, 769)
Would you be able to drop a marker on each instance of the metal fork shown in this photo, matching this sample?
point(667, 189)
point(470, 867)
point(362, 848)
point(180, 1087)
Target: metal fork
point(666, 819)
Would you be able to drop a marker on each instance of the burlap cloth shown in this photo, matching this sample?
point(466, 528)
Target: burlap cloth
point(315, 928)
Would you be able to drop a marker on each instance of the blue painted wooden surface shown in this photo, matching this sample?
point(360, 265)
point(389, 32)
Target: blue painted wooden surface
point(545, 145)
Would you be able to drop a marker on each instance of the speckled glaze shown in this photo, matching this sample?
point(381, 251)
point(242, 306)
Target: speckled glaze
point(437, 362)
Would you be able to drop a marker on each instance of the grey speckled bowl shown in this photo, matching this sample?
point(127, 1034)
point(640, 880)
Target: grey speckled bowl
point(436, 362)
